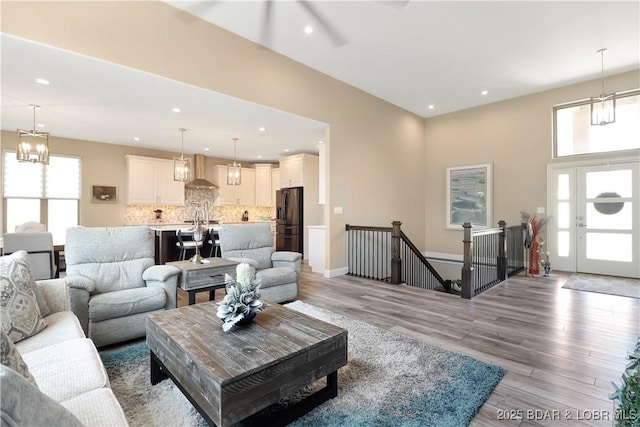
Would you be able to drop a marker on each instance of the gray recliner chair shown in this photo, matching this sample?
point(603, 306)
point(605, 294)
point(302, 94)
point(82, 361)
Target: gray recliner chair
point(278, 273)
point(113, 282)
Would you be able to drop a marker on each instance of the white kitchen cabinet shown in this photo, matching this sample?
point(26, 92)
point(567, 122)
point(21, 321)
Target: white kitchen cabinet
point(292, 171)
point(263, 184)
point(235, 195)
point(299, 170)
point(150, 182)
point(247, 190)
point(170, 192)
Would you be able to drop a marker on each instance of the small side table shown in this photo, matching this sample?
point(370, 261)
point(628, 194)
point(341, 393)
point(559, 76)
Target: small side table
point(207, 276)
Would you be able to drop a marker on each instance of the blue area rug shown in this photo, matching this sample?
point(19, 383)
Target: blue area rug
point(390, 380)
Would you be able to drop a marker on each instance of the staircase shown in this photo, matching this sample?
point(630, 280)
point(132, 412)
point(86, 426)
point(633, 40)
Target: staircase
point(387, 254)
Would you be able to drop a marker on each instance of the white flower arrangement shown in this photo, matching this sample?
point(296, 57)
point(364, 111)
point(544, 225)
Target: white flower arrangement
point(243, 298)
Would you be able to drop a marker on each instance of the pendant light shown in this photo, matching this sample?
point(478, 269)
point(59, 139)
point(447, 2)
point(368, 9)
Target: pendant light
point(234, 170)
point(182, 165)
point(33, 146)
point(603, 108)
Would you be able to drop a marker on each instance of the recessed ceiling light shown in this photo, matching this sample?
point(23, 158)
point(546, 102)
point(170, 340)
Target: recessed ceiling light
point(259, 157)
point(175, 109)
point(431, 107)
point(308, 29)
point(136, 138)
point(286, 150)
point(40, 125)
point(42, 81)
point(484, 92)
point(262, 128)
point(206, 148)
point(320, 142)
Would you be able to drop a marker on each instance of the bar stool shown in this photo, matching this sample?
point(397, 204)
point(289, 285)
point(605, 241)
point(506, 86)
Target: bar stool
point(186, 243)
point(214, 241)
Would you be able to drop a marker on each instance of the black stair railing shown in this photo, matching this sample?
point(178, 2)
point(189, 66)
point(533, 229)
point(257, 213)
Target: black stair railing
point(515, 249)
point(369, 252)
point(490, 256)
point(386, 253)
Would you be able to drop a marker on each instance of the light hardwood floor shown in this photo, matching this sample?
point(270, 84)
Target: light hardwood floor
point(560, 348)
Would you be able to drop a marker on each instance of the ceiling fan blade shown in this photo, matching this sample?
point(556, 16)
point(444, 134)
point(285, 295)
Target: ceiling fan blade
point(336, 37)
point(265, 36)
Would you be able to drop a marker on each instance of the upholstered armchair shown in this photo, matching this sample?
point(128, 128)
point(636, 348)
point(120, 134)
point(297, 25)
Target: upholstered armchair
point(113, 282)
point(39, 246)
point(278, 273)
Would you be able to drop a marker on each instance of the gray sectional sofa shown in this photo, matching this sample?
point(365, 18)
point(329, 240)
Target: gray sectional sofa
point(72, 383)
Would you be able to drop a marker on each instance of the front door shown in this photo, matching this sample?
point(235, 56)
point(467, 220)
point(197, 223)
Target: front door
point(607, 219)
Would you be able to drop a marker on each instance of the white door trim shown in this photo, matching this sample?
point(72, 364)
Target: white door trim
point(571, 263)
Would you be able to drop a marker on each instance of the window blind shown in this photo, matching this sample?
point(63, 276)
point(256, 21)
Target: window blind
point(59, 179)
point(62, 178)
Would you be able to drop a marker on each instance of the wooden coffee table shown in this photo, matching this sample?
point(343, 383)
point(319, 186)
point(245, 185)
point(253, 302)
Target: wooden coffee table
point(229, 376)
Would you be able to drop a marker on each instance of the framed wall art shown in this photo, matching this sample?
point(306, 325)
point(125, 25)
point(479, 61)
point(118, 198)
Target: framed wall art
point(469, 196)
point(104, 194)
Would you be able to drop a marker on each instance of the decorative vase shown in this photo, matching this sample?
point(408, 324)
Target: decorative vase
point(248, 318)
point(534, 257)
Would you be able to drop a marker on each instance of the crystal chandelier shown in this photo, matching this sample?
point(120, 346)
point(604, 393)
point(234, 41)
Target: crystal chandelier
point(603, 108)
point(182, 166)
point(33, 146)
point(234, 170)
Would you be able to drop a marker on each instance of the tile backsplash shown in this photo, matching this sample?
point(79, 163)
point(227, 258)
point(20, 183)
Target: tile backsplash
point(144, 214)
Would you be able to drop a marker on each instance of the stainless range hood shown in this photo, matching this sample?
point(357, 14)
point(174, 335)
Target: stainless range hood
point(198, 172)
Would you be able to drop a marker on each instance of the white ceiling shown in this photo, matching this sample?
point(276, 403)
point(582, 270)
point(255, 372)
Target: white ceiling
point(98, 101)
point(410, 53)
point(445, 53)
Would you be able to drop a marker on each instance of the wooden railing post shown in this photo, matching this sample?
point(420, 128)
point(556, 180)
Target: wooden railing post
point(396, 262)
point(468, 276)
point(502, 252)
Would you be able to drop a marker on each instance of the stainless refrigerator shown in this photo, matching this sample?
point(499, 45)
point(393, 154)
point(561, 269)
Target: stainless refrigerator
point(289, 231)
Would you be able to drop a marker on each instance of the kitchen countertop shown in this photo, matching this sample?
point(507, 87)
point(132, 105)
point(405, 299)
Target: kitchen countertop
point(174, 227)
point(159, 226)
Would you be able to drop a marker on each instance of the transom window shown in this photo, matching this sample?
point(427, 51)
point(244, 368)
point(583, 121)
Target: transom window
point(48, 194)
point(573, 133)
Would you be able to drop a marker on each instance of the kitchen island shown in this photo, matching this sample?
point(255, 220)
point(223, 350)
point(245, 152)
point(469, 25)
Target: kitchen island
point(165, 239)
point(165, 243)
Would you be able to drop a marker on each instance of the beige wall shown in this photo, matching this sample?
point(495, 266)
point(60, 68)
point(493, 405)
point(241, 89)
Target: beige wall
point(516, 136)
point(382, 142)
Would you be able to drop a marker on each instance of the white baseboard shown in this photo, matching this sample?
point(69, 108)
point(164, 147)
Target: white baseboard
point(336, 272)
point(444, 257)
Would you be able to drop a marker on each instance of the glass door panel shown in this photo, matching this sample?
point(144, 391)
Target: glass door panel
point(612, 216)
point(562, 224)
point(609, 247)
